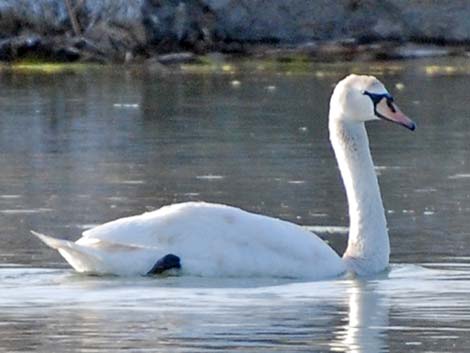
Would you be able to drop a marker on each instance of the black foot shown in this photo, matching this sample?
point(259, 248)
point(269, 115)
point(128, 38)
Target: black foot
point(165, 263)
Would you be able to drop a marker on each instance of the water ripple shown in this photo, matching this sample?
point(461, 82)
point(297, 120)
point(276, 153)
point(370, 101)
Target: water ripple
point(196, 314)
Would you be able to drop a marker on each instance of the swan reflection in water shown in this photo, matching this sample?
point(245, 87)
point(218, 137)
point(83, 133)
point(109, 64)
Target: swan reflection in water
point(367, 321)
point(345, 315)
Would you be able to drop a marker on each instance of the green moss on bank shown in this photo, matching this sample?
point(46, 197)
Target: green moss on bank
point(34, 67)
point(285, 65)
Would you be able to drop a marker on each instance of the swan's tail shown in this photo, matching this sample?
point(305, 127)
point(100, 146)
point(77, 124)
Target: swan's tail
point(53, 242)
point(81, 258)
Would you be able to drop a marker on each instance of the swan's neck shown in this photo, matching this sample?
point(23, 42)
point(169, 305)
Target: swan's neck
point(368, 245)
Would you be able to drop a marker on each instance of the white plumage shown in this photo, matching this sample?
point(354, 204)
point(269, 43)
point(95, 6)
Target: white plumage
point(219, 240)
point(210, 239)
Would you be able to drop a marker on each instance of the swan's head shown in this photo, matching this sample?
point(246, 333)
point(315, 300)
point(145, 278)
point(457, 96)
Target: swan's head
point(359, 98)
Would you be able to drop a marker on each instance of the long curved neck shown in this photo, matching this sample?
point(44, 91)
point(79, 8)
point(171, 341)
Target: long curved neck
point(368, 248)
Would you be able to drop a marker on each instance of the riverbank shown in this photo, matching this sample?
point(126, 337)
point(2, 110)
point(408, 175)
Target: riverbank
point(174, 31)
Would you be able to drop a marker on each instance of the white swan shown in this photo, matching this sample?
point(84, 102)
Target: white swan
point(203, 239)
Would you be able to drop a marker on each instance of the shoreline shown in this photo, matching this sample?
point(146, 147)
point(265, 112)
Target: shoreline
point(80, 50)
point(237, 68)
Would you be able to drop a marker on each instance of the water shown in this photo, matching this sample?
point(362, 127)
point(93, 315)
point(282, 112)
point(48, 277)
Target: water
point(79, 148)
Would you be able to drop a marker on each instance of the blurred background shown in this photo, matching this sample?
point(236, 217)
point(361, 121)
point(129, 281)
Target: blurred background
point(136, 30)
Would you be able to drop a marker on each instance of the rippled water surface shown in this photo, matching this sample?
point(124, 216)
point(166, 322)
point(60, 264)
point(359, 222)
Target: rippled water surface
point(85, 146)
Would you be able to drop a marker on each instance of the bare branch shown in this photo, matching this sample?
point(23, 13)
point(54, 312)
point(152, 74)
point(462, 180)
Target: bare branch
point(73, 17)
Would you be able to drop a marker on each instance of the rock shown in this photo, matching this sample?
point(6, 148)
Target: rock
point(21, 46)
point(39, 16)
point(138, 29)
point(153, 66)
point(174, 24)
point(85, 44)
point(177, 58)
point(439, 22)
point(66, 54)
point(413, 51)
point(275, 22)
point(115, 27)
point(89, 52)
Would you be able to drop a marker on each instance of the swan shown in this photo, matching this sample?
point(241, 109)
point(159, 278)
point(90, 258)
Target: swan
point(205, 239)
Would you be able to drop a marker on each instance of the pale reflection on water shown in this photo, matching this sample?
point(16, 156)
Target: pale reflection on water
point(81, 148)
point(367, 318)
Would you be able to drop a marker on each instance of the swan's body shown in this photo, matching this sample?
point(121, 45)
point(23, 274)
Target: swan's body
point(218, 240)
point(210, 239)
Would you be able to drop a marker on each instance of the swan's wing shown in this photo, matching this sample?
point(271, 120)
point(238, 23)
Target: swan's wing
point(141, 230)
point(199, 226)
point(171, 224)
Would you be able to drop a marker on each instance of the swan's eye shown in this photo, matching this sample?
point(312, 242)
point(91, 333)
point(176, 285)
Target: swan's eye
point(377, 97)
